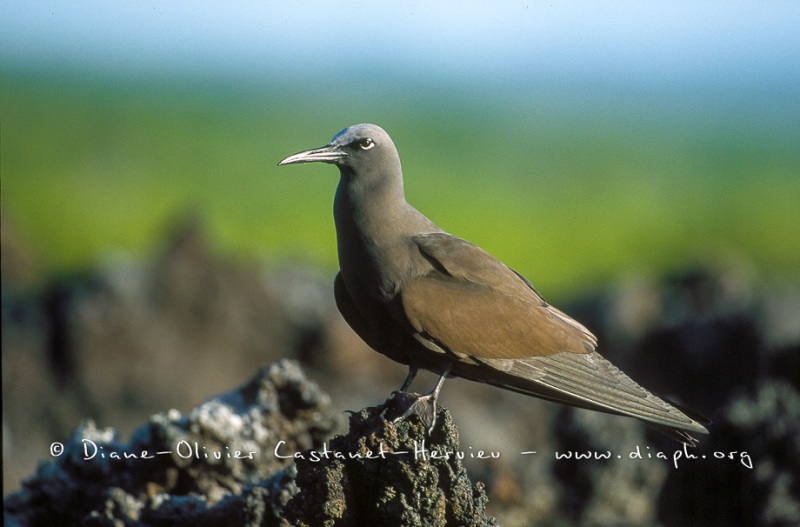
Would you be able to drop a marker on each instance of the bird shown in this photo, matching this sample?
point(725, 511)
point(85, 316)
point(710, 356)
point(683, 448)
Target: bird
point(431, 300)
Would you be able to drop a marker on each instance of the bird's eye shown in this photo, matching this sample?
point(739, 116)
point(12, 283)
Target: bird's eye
point(365, 144)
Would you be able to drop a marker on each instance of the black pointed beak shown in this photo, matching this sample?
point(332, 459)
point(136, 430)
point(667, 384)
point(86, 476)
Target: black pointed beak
point(325, 154)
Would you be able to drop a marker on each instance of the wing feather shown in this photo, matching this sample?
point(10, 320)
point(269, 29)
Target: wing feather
point(470, 304)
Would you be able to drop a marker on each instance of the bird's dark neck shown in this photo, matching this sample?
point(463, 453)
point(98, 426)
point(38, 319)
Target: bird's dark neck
point(373, 221)
point(371, 208)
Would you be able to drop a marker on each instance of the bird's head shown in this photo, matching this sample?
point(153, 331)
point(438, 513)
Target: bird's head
point(359, 150)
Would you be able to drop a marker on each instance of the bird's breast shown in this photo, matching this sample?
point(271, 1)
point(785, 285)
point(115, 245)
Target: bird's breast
point(374, 239)
point(368, 273)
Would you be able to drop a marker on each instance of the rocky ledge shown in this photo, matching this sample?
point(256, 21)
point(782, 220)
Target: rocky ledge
point(258, 455)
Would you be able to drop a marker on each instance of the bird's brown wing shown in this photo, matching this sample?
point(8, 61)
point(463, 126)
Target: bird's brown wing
point(590, 381)
point(475, 305)
point(472, 306)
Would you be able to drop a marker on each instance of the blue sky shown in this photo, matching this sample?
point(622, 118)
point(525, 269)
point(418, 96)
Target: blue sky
point(647, 42)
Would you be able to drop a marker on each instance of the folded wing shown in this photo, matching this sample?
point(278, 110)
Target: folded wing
point(501, 331)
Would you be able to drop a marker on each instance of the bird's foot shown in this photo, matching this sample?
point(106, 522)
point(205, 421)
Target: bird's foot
point(408, 404)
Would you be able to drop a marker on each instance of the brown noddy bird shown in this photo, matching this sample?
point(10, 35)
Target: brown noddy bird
point(428, 299)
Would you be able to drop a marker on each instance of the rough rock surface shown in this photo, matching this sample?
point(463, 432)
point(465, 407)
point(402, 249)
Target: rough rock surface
point(610, 490)
point(390, 473)
point(758, 481)
point(215, 462)
point(129, 338)
point(239, 458)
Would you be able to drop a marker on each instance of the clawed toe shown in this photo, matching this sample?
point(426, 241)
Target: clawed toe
point(408, 404)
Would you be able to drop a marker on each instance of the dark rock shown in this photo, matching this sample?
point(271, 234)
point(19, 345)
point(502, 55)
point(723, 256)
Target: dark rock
point(692, 360)
point(256, 456)
point(695, 338)
point(388, 473)
point(785, 365)
point(216, 461)
point(122, 341)
point(600, 484)
point(751, 473)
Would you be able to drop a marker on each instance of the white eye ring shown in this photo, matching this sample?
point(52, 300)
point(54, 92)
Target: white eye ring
point(366, 144)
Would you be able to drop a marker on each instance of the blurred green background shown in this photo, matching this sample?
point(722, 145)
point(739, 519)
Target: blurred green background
point(573, 178)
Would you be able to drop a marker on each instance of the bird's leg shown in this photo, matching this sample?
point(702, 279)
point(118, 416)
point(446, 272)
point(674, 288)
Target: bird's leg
point(422, 405)
point(440, 383)
point(412, 372)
